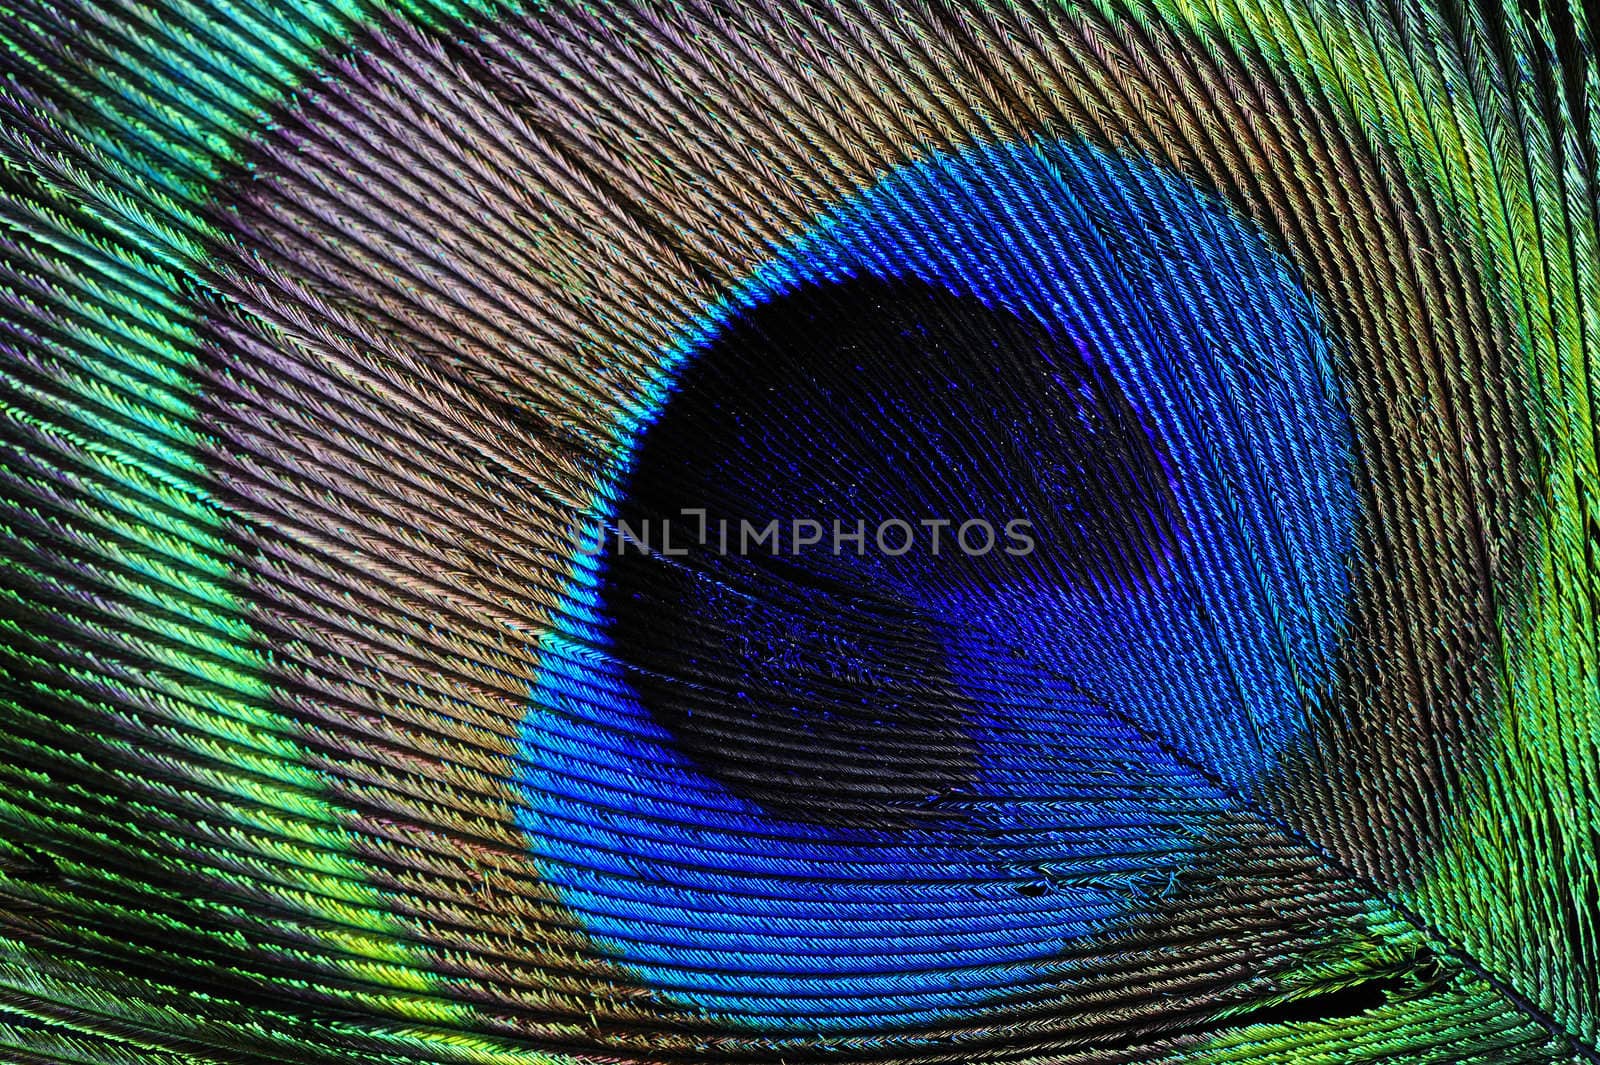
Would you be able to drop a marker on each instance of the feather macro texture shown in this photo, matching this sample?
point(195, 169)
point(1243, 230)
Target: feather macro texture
point(340, 342)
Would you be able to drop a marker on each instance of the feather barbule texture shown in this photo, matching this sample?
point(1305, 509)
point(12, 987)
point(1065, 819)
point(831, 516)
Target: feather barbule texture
point(762, 531)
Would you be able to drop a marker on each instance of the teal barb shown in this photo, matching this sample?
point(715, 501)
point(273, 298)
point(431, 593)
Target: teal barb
point(340, 342)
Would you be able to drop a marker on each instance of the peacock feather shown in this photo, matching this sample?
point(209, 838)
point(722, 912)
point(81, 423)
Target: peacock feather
point(473, 478)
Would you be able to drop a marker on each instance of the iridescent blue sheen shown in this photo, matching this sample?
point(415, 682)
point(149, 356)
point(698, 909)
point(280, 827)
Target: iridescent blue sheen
point(1223, 356)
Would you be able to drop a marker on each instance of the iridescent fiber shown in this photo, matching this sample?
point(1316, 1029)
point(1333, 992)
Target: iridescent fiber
point(338, 342)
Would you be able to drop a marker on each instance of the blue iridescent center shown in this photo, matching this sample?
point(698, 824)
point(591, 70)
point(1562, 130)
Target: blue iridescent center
point(1107, 351)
